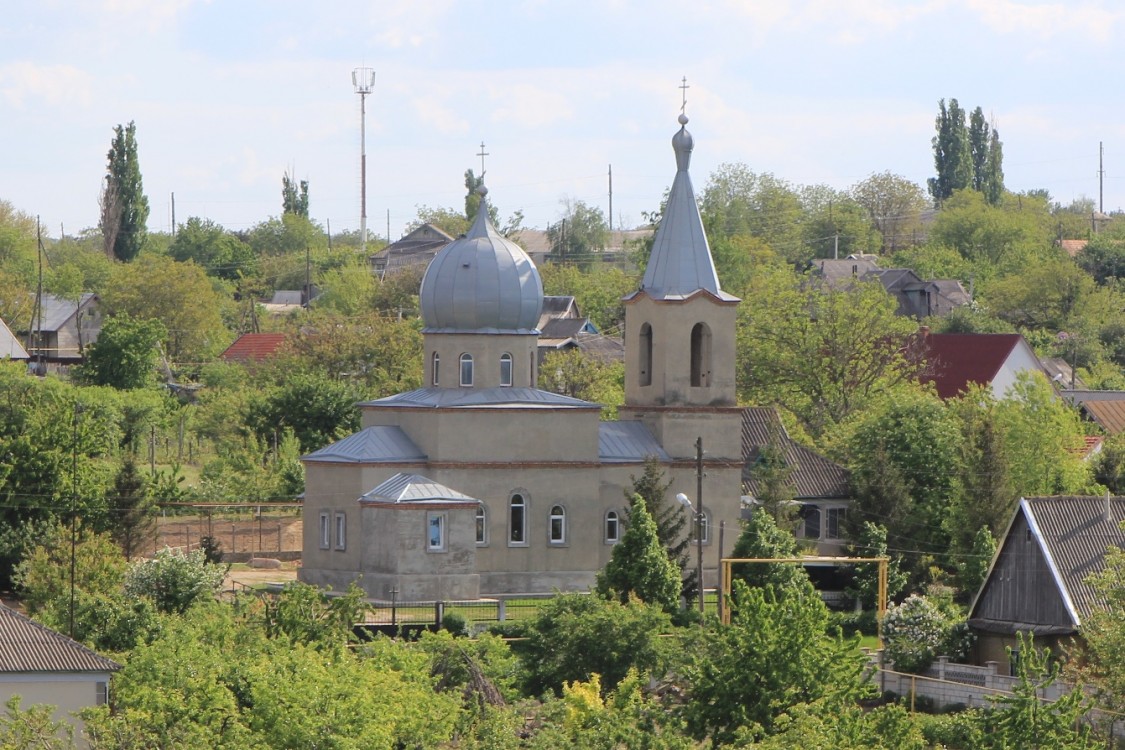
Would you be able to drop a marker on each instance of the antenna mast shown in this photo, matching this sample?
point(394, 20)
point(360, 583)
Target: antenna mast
point(363, 79)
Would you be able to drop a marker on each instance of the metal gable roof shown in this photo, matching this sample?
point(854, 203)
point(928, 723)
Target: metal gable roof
point(501, 397)
point(626, 442)
point(10, 347)
point(26, 646)
point(414, 488)
point(57, 311)
point(370, 445)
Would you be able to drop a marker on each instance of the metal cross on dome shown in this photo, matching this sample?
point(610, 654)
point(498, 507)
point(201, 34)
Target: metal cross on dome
point(684, 87)
point(482, 154)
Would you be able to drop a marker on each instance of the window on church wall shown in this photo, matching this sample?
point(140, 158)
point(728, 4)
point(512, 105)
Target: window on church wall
point(612, 527)
point(482, 525)
point(434, 367)
point(341, 531)
point(533, 379)
point(700, 355)
point(467, 370)
point(325, 531)
point(435, 532)
point(645, 353)
point(505, 369)
point(517, 520)
point(556, 525)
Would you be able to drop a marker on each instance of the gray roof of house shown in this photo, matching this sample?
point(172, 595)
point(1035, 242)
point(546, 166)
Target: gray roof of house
point(453, 398)
point(414, 488)
point(680, 264)
point(28, 647)
point(10, 347)
point(481, 283)
point(370, 445)
point(813, 477)
point(627, 442)
point(1074, 534)
point(57, 311)
point(288, 297)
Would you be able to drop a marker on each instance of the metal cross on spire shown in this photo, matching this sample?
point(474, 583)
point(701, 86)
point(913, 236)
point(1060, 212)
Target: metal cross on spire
point(684, 87)
point(482, 154)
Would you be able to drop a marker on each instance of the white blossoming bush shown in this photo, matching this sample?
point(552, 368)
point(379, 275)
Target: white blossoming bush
point(913, 633)
point(173, 580)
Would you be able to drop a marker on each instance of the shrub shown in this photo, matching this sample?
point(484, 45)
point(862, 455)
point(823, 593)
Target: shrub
point(174, 581)
point(920, 629)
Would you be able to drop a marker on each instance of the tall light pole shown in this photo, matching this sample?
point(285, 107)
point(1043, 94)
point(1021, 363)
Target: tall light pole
point(363, 79)
point(698, 515)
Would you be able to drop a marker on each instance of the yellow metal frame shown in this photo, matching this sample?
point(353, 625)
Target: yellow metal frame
point(881, 598)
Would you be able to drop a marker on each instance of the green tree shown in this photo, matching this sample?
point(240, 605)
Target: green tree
point(762, 539)
point(210, 246)
point(43, 576)
point(574, 373)
point(872, 542)
point(294, 196)
point(894, 206)
point(125, 354)
point(670, 518)
point(132, 512)
point(739, 201)
point(1103, 258)
point(1109, 466)
point(1103, 634)
point(34, 727)
point(580, 232)
point(993, 187)
point(597, 290)
point(772, 475)
point(639, 566)
point(918, 630)
point(774, 656)
point(318, 409)
point(174, 580)
point(124, 204)
point(952, 153)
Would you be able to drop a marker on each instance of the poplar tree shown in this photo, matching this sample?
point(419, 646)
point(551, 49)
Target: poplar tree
point(993, 183)
point(294, 196)
point(979, 139)
point(952, 152)
point(124, 206)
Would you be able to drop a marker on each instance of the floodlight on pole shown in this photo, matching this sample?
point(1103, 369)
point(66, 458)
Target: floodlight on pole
point(363, 79)
point(699, 519)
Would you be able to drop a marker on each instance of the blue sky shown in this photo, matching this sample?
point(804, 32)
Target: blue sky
point(229, 94)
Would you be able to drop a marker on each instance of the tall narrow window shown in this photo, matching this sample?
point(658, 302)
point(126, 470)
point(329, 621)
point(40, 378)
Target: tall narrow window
point(435, 362)
point(700, 355)
point(435, 532)
point(556, 525)
point(645, 363)
point(834, 522)
point(612, 527)
point(341, 531)
point(517, 520)
point(325, 531)
point(532, 377)
point(812, 521)
point(467, 370)
point(482, 525)
point(505, 369)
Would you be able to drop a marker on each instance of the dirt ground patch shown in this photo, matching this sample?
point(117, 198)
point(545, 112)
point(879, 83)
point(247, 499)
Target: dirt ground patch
point(262, 534)
point(241, 576)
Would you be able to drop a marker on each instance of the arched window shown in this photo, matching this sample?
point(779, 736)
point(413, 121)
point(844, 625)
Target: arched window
point(467, 370)
point(435, 362)
point(505, 369)
point(645, 363)
point(556, 525)
point(612, 527)
point(482, 525)
point(517, 520)
point(700, 355)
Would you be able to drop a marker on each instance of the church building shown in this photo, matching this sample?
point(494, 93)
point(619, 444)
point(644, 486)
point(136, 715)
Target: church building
point(479, 483)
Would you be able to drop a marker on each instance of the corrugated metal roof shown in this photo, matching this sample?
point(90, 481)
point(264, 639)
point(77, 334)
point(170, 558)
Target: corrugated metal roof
point(629, 441)
point(1110, 415)
point(1075, 533)
point(813, 476)
point(57, 311)
point(414, 488)
point(453, 398)
point(254, 346)
point(370, 445)
point(10, 347)
point(26, 646)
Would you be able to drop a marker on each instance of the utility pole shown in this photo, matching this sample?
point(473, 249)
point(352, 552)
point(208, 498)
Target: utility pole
point(701, 519)
point(173, 214)
point(1101, 178)
point(610, 197)
point(362, 80)
point(308, 277)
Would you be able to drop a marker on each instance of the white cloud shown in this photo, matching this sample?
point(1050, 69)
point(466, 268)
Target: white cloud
point(531, 106)
point(1092, 21)
point(153, 15)
point(851, 22)
point(54, 84)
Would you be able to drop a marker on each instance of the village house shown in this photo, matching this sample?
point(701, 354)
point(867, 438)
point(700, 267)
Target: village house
point(62, 329)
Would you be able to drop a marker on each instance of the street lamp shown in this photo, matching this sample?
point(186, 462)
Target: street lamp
point(697, 514)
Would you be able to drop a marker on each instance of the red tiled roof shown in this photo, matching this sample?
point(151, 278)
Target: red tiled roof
point(254, 347)
point(957, 360)
point(1073, 247)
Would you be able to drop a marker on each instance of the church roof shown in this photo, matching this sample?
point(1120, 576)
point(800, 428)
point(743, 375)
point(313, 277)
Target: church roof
point(481, 283)
point(370, 445)
point(680, 264)
point(453, 398)
point(627, 442)
point(414, 488)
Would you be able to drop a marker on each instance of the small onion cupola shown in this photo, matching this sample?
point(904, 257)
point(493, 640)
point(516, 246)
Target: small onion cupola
point(481, 283)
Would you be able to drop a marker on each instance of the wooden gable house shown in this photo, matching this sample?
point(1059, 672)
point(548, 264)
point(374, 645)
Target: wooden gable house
point(1038, 581)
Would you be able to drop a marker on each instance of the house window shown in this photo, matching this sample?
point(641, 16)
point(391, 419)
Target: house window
point(834, 522)
point(435, 532)
point(700, 355)
point(434, 367)
point(341, 531)
point(325, 531)
point(644, 373)
point(612, 527)
point(482, 525)
point(556, 525)
point(467, 370)
point(506, 369)
point(811, 514)
point(101, 696)
point(701, 528)
point(517, 520)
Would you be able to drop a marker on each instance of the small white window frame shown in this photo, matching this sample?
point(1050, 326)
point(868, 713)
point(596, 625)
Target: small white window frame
point(325, 530)
point(438, 520)
point(556, 525)
point(341, 540)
